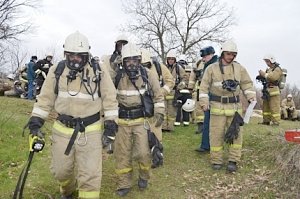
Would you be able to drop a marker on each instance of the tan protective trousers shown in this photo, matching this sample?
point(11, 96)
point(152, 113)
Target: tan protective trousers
point(218, 126)
point(271, 109)
point(131, 143)
point(170, 116)
point(156, 130)
point(294, 113)
point(82, 166)
point(199, 114)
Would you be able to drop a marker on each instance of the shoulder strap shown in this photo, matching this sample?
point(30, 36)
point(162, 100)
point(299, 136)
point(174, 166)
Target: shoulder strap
point(144, 74)
point(119, 75)
point(159, 72)
point(58, 71)
point(97, 71)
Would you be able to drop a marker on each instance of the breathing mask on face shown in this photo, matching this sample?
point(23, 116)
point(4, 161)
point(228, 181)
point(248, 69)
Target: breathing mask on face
point(76, 61)
point(230, 85)
point(132, 67)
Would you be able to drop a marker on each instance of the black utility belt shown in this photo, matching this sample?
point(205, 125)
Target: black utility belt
point(134, 113)
point(71, 122)
point(224, 99)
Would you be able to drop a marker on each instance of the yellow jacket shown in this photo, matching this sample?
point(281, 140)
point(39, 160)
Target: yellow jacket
point(167, 78)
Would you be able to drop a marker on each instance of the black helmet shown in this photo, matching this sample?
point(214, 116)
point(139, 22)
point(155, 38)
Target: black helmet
point(33, 57)
point(207, 51)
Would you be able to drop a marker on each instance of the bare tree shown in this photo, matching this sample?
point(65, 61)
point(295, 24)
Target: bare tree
point(12, 23)
point(162, 25)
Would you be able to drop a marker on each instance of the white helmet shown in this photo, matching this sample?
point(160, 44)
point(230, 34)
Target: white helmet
point(171, 53)
point(122, 38)
point(270, 57)
point(77, 43)
point(131, 50)
point(146, 56)
point(11, 76)
point(189, 105)
point(229, 46)
point(289, 96)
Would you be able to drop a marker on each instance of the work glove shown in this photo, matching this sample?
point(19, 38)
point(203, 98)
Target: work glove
point(36, 136)
point(156, 149)
point(109, 134)
point(157, 156)
point(181, 85)
point(159, 119)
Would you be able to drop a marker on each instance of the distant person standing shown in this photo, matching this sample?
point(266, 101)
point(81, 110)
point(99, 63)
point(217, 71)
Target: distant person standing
point(42, 69)
point(31, 76)
point(271, 93)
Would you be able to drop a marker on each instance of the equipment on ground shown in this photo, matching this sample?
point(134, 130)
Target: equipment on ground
point(292, 135)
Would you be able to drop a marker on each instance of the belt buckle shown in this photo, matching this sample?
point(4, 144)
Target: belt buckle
point(225, 99)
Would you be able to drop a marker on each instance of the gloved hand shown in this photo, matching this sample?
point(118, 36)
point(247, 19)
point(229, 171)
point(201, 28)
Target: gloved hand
point(159, 119)
point(181, 85)
point(157, 156)
point(36, 137)
point(109, 134)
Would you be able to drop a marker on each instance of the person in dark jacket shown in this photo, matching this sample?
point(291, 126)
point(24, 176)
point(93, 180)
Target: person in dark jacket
point(31, 76)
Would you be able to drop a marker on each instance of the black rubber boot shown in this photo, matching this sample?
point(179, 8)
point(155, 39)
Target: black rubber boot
point(123, 192)
point(142, 183)
point(216, 166)
point(231, 167)
point(199, 128)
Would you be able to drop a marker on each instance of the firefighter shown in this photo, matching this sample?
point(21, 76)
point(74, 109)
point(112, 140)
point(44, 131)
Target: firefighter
point(288, 108)
point(140, 98)
point(41, 69)
point(208, 58)
point(165, 80)
point(221, 85)
point(185, 94)
point(172, 101)
point(78, 90)
point(271, 94)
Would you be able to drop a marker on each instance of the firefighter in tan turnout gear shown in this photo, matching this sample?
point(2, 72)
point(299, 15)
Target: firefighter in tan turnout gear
point(288, 108)
point(140, 98)
point(225, 81)
point(165, 80)
point(271, 91)
point(78, 90)
point(181, 81)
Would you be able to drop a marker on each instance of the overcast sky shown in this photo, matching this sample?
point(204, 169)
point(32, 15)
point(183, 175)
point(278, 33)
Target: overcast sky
point(263, 27)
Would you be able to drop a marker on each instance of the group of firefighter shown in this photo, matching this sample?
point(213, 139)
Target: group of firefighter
point(125, 100)
point(27, 81)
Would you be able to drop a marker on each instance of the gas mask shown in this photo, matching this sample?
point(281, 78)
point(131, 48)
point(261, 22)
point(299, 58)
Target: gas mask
point(132, 66)
point(76, 61)
point(230, 85)
point(132, 71)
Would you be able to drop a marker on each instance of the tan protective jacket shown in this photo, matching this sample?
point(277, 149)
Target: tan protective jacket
point(166, 77)
point(288, 103)
point(272, 76)
point(73, 99)
point(192, 79)
point(129, 96)
point(182, 74)
point(212, 82)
